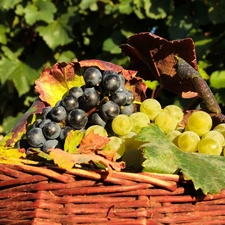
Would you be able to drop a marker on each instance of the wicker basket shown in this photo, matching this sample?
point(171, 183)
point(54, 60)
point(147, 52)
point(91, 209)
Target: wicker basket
point(50, 196)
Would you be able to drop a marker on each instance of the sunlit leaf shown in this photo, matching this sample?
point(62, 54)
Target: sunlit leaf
point(39, 10)
point(217, 79)
point(55, 29)
point(72, 141)
point(54, 83)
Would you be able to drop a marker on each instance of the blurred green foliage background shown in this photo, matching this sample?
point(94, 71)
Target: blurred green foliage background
point(38, 33)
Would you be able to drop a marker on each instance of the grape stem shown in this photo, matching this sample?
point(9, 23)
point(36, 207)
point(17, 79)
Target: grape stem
point(186, 71)
point(105, 99)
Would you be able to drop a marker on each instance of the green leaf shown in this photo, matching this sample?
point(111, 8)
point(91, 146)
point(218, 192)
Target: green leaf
point(39, 10)
point(12, 55)
point(66, 56)
point(151, 84)
point(162, 156)
point(9, 4)
point(111, 44)
point(138, 9)
point(217, 79)
point(89, 4)
point(55, 34)
point(3, 31)
point(125, 7)
point(20, 73)
point(72, 141)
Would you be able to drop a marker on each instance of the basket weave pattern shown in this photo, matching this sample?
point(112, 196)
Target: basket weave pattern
point(50, 196)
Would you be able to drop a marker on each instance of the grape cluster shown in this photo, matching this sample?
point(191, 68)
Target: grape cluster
point(98, 102)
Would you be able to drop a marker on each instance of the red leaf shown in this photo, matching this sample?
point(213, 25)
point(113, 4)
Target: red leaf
point(92, 142)
point(153, 57)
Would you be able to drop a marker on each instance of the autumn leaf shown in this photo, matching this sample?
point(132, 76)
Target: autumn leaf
point(20, 128)
point(54, 83)
point(92, 142)
point(153, 58)
point(67, 160)
point(13, 156)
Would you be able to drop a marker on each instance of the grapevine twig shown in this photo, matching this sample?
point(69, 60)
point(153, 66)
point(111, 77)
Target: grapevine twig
point(186, 71)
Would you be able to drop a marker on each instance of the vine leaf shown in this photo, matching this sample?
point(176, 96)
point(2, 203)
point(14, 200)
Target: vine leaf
point(92, 142)
point(73, 140)
point(162, 156)
point(54, 83)
point(67, 160)
point(153, 57)
point(20, 128)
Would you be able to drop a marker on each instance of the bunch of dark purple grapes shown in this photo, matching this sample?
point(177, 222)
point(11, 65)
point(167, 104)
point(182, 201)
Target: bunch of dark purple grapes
point(101, 99)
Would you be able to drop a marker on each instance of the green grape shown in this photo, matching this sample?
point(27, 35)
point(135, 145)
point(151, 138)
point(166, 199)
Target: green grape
point(209, 146)
point(200, 122)
point(122, 124)
point(221, 128)
point(175, 110)
point(151, 108)
point(223, 151)
point(173, 136)
point(115, 144)
point(130, 141)
point(188, 141)
point(139, 120)
point(97, 130)
point(166, 121)
point(214, 134)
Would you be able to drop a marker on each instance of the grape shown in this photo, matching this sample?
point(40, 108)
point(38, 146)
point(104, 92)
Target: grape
point(110, 110)
point(122, 124)
point(209, 146)
point(58, 113)
point(115, 144)
point(122, 79)
point(70, 102)
point(188, 141)
point(64, 132)
point(130, 141)
point(44, 122)
point(97, 120)
point(45, 112)
point(75, 91)
point(22, 144)
point(221, 128)
point(108, 72)
point(111, 82)
point(92, 76)
point(51, 144)
point(214, 135)
point(119, 97)
point(139, 120)
point(51, 130)
point(77, 119)
point(35, 137)
point(175, 111)
point(173, 136)
point(127, 109)
point(36, 123)
point(166, 122)
point(130, 98)
point(200, 122)
point(151, 108)
point(97, 130)
point(89, 99)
